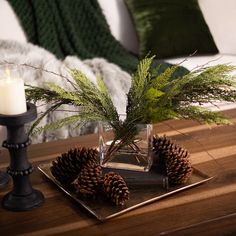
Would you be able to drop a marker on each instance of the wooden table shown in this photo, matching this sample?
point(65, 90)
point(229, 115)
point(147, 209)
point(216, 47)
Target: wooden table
point(209, 209)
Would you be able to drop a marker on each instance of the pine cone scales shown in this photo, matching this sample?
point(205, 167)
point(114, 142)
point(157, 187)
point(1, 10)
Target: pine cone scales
point(178, 171)
point(176, 159)
point(63, 170)
point(89, 180)
point(162, 145)
point(115, 188)
point(67, 166)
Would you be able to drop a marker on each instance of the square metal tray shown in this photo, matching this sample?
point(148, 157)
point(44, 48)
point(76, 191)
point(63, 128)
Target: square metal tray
point(144, 187)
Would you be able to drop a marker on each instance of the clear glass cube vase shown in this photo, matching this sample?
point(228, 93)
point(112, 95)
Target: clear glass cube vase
point(124, 152)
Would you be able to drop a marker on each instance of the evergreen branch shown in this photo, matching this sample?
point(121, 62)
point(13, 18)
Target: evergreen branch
point(106, 101)
point(213, 84)
point(95, 98)
point(150, 99)
point(36, 123)
point(82, 82)
point(62, 122)
point(200, 68)
point(139, 85)
point(35, 94)
point(66, 96)
point(142, 75)
point(204, 85)
point(202, 114)
point(164, 78)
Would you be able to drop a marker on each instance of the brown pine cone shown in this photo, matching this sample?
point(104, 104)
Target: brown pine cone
point(115, 188)
point(178, 169)
point(68, 165)
point(162, 145)
point(176, 159)
point(89, 180)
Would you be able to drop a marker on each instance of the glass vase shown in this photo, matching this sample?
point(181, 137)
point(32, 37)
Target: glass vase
point(134, 155)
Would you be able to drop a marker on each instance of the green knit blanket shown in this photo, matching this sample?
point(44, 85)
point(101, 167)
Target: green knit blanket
point(73, 27)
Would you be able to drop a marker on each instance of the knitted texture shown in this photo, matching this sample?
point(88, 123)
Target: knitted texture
point(75, 27)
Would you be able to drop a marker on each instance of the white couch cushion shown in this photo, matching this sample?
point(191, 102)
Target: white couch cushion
point(10, 27)
point(220, 15)
point(196, 61)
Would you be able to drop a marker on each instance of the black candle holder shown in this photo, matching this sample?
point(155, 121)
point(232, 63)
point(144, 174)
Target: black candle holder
point(23, 197)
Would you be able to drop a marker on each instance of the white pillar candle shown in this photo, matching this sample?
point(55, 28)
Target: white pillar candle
point(12, 96)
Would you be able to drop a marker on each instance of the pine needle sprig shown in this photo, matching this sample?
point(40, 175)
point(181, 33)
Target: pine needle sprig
point(65, 96)
point(202, 114)
point(35, 94)
point(175, 98)
point(153, 97)
point(125, 131)
point(95, 98)
point(93, 101)
point(34, 129)
point(140, 83)
point(62, 122)
point(204, 83)
point(161, 80)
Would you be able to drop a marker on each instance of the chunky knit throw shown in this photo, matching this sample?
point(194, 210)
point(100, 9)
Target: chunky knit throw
point(73, 27)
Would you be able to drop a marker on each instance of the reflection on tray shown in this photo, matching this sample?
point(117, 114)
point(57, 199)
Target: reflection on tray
point(149, 187)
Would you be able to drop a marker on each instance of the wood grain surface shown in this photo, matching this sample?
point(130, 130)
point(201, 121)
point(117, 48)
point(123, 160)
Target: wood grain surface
point(209, 209)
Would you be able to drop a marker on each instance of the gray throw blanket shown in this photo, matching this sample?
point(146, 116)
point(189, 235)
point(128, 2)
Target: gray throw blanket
point(18, 54)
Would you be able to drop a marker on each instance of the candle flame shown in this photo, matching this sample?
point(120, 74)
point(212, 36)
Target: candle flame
point(8, 74)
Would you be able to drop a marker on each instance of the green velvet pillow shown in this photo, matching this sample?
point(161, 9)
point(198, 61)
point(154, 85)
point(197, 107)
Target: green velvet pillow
point(170, 28)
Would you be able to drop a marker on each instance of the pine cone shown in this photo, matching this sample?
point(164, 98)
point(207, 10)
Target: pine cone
point(67, 166)
point(89, 180)
point(115, 188)
point(175, 158)
point(178, 169)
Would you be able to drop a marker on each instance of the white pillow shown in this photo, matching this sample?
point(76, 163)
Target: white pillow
point(10, 27)
point(220, 16)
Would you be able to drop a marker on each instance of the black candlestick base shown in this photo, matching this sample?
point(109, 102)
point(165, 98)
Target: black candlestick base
point(4, 179)
point(23, 197)
point(19, 203)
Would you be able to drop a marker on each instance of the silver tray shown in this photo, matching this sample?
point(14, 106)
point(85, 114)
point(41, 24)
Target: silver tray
point(144, 188)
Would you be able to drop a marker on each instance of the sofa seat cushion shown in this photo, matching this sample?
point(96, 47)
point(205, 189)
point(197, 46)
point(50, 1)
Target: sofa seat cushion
point(209, 60)
point(220, 16)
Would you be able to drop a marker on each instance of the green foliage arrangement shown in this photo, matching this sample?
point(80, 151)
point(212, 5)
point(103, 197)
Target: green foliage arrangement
point(153, 97)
